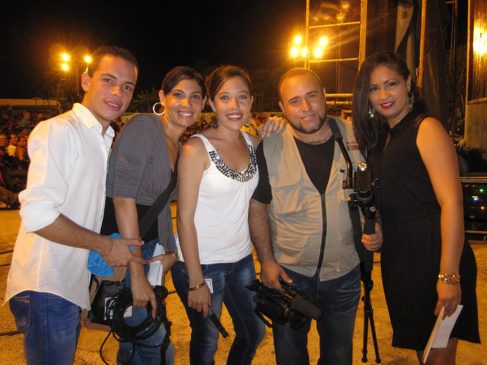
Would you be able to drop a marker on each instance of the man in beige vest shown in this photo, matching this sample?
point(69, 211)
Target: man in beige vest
point(300, 223)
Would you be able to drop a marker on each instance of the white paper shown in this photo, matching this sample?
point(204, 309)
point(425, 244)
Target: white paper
point(156, 268)
point(441, 331)
point(209, 284)
point(128, 312)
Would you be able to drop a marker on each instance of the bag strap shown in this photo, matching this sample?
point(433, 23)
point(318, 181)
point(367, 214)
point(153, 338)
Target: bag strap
point(337, 135)
point(365, 256)
point(151, 215)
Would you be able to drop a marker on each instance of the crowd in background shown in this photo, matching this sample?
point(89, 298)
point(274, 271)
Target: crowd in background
point(16, 125)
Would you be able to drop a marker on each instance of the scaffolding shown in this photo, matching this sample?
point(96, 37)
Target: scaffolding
point(354, 29)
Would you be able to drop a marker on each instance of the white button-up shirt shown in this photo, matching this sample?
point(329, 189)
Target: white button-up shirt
point(66, 176)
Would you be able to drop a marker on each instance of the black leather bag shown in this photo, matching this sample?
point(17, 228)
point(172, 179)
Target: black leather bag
point(101, 292)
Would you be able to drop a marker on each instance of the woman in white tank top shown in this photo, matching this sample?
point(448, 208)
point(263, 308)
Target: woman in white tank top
point(217, 177)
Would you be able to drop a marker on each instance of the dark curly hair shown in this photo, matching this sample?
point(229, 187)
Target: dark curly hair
point(179, 73)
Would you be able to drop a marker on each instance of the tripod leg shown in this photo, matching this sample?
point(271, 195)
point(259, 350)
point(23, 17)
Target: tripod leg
point(374, 336)
point(366, 330)
point(370, 317)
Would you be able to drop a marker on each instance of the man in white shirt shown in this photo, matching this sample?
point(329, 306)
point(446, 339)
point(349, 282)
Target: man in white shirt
point(62, 209)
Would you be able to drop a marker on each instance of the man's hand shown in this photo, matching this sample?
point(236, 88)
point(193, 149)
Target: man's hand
point(118, 254)
point(272, 125)
point(373, 242)
point(270, 274)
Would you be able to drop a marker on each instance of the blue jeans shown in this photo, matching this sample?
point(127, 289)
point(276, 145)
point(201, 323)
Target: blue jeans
point(50, 325)
point(148, 351)
point(338, 299)
point(228, 281)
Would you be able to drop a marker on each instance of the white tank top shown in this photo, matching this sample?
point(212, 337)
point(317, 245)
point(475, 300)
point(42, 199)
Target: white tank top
point(221, 216)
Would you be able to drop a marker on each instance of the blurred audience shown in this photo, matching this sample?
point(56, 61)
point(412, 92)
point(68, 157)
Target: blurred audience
point(15, 127)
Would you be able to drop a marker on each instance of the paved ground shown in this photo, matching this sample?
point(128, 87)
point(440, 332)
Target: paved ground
point(11, 346)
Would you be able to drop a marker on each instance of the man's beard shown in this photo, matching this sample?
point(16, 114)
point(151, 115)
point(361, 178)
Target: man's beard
point(303, 131)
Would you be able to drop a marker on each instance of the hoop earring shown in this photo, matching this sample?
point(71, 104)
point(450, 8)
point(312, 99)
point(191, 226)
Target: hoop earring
point(411, 99)
point(155, 106)
point(371, 112)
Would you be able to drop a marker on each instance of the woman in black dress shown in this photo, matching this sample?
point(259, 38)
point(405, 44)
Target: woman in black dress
point(425, 263)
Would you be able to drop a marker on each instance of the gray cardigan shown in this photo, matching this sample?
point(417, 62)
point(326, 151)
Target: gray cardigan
point(139, 168)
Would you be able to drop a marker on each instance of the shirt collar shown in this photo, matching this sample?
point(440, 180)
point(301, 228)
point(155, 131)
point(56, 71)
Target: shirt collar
point(407, 121)
point(85, 116)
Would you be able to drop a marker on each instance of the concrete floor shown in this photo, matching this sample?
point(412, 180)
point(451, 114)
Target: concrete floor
point(11, 351)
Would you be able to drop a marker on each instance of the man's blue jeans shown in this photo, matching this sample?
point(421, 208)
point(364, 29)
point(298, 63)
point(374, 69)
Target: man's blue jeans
point(338, 299)
point(228, 281)
point(50, 325)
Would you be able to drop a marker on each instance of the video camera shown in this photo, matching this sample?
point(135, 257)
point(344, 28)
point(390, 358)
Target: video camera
point(282, 306)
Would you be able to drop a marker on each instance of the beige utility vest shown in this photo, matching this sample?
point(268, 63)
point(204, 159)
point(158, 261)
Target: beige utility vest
point(296, 215)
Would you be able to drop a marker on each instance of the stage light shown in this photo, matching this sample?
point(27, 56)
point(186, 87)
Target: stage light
point(65, 67)
point(323, 41)
point(318, 53)
point(294, 52)
point(479, 41)
point(65, 57)
point(298, 39)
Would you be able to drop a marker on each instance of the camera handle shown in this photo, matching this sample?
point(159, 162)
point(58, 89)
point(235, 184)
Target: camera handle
point(368, 210)
point(369, 227)
point(369, 213)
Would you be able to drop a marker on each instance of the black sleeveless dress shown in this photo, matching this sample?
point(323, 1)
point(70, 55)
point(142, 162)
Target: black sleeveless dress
point(412, 242)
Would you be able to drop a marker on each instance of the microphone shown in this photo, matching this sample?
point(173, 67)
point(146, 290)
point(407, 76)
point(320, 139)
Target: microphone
point(214, 319)
point(305, 307)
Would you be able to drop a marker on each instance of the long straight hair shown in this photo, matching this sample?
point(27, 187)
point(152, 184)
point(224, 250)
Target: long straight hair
point(367, 128)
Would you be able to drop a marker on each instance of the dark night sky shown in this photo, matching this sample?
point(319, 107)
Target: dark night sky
point(162, 34)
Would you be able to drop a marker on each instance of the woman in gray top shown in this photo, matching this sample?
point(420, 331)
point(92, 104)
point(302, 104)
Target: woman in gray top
point(140, 168)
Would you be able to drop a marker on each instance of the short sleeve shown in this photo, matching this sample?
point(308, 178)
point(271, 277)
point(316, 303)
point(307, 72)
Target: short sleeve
point(129, 158)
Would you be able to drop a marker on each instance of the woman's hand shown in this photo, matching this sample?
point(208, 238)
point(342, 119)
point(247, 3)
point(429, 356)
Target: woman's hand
point(373, 242)
point(200, 299)
point(449, 296)
point(142, 293)
point(167, 259)
point(272, 125)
